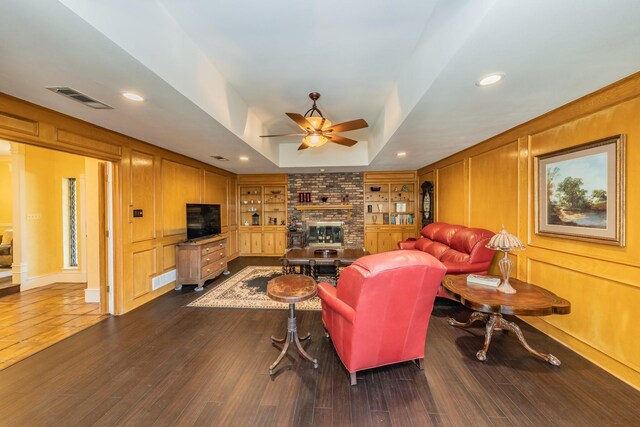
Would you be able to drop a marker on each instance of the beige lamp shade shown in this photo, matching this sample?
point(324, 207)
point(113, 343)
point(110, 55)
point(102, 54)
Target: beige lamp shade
point(504, 241)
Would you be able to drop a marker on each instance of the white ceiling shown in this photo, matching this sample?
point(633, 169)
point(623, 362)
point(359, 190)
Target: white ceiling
point(217, 74)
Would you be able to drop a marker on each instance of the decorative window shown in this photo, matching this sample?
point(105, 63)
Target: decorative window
point(70, 222)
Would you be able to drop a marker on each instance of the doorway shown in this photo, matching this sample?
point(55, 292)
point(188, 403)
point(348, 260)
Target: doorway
point(60, 268)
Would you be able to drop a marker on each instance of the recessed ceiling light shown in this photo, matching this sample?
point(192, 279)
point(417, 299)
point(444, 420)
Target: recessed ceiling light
point(321, 170)
point(244, 158)
point(490, 79)
point(401, 154)
point(133, 96)
point(222, 159)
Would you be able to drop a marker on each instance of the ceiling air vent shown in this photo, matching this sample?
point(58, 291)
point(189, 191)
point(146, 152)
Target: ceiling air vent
point(80, 97)
point(222, 159)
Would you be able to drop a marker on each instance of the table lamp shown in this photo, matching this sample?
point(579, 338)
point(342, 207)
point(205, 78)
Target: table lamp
point(505, 242)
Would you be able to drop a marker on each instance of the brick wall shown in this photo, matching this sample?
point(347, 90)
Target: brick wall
point(335, 186)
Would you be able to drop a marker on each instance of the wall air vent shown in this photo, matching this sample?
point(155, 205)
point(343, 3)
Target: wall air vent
point(80, 97)
point(222, 159)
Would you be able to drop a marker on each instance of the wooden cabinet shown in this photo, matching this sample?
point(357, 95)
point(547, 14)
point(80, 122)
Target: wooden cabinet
point(390, 209)
point(263, 214)
point(256, 242)
point(271, 241)
point(385, 238)
point(199, 261)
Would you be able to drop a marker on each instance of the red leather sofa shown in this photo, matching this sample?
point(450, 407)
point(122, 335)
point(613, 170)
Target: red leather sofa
point(461, 249)
point(379, 312)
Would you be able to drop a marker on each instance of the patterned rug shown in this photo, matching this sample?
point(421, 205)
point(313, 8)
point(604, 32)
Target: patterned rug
point(248, 289)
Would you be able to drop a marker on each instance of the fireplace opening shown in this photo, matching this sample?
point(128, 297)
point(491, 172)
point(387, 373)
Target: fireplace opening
point(324, 233)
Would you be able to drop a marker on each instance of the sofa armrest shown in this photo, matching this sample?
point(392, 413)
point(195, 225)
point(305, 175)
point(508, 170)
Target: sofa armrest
point(327, 294)
point(407, 244)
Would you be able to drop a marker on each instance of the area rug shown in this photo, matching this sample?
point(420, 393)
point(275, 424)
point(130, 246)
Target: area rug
point(248, 289)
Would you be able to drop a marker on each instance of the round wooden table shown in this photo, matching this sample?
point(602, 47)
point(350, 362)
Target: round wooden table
point(490, 305)
point(291, 289)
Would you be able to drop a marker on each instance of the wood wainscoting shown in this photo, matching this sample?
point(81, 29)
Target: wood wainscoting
point(147, 177)
point(493, 183)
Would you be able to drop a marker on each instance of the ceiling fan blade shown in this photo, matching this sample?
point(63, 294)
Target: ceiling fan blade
point(301, 121)
point(350, 125)
point(303, 147)
point(342, 140)
point(284, 134)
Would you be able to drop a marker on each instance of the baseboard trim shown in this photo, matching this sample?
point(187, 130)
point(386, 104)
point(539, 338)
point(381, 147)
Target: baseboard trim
point(92, 295)
point(47, 279)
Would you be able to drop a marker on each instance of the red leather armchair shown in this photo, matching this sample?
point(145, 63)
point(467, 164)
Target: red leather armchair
point(379, 312)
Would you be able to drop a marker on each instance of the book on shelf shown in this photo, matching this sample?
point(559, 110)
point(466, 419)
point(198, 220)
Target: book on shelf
point(479, 279)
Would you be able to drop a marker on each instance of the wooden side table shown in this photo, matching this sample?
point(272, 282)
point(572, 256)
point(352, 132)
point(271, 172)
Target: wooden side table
point(490, 305)
point(292, 288)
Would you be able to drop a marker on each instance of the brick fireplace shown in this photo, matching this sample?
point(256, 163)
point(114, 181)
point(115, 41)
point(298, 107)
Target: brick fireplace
point(340, 189)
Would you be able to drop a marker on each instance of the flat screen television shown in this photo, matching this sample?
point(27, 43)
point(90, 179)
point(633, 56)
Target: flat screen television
point(203, 220)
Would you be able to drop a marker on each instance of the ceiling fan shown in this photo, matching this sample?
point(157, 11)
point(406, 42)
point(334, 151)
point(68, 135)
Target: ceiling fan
point(319, 130)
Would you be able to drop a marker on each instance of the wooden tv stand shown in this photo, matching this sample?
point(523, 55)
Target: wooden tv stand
point(200, 260)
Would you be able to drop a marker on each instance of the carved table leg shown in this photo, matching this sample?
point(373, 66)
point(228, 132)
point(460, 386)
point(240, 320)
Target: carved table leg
point(475, 316)
point(491, 324)
point(313, 269)
point(336, 263)
point(550, 358)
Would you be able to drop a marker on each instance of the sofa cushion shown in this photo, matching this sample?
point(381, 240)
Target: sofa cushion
point(453, 256)
point(436, 249)
point(422, 244)
point(445, 234)
point(467, 238)
point(430, 230)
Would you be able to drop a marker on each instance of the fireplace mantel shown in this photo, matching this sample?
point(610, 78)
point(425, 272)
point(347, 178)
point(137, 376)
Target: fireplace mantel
point(323, 207)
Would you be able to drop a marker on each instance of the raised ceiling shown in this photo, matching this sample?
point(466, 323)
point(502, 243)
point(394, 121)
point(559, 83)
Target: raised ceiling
point(215, 75)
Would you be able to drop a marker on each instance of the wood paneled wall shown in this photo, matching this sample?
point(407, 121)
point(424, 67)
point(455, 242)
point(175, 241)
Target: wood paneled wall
point(492, 183)
point(146, 177)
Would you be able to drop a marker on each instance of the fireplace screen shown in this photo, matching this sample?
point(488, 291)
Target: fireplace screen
point(324, 233)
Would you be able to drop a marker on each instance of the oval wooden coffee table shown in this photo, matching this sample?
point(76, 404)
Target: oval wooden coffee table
point(490, 305)
point(291, 289)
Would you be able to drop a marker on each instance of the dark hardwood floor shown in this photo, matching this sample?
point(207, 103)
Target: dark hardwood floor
point(165, 364)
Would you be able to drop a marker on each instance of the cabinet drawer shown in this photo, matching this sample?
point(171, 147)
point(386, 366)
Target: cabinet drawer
point(212, 247)
point(212, 268)
point(213, 256)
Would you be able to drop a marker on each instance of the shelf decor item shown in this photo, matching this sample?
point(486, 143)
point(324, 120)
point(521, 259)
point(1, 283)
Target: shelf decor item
point(375, 188)
point(505, 242)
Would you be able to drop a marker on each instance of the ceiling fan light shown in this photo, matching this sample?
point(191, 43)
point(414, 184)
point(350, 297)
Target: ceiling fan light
point(316, 121)
point(315, 140)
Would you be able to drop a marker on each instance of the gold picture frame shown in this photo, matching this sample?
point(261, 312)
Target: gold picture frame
point(580, 192)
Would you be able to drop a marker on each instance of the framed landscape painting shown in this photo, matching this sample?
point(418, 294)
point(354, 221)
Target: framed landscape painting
point(580, 192)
